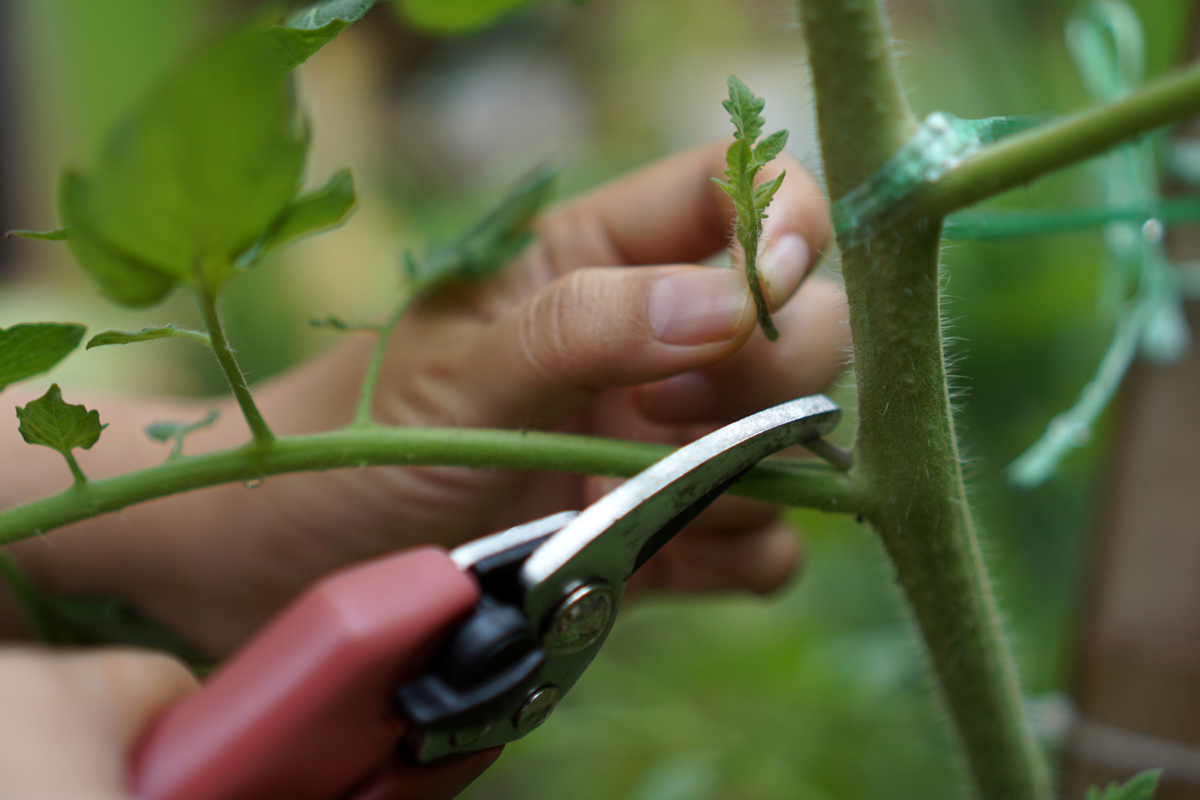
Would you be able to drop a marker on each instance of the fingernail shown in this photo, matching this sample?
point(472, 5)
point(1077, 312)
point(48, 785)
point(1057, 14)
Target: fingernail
point(783, 268)
point(699, 306)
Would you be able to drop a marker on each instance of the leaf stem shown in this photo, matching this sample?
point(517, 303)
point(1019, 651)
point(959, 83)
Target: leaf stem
point(1021, 158)
point(233, 373)
point(76, 472)
point(383, 335)
point(806, 484)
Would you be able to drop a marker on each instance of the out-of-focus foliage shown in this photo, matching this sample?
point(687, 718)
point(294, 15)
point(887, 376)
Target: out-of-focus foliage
point(456, 16)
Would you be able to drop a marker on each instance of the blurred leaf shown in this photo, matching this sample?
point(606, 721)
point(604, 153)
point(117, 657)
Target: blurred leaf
point(50, 422)
point(327, 208)
point(173, 431)
point(490, 243)
point(146, 334)
point(311, 28)
point(28, 350)
point(57, 235)
point(1139, 787)
point(84, 621)
point(1105, 39)
point(340, 325)
point(192, 178)
point(457, 16)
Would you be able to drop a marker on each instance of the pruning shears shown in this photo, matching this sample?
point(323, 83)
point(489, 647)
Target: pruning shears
point(436, 653)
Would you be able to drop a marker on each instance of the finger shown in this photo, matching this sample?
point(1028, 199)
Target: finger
point(599, 328)
point(812, 349)
point(71, 719)
point(404, 780)
point(137, 685)
point(702, 561)
point(672, 212)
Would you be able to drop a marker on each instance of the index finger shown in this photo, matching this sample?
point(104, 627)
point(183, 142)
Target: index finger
point(671, 212)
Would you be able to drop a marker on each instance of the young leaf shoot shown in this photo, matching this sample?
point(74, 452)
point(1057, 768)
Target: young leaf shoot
point(28, 350)
point(52, 423)
point(744, 160)
point(485, 247)
point(174, 432)
point(497, 238)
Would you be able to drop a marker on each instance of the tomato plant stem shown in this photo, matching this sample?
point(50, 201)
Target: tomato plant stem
point(906, 454)
point(806, 484)
point(233, 373)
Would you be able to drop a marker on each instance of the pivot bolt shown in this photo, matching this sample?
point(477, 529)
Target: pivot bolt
point(580, 619)
point(537, 708)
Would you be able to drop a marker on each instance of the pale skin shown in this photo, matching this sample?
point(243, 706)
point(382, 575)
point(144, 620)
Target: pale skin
point(568, 337)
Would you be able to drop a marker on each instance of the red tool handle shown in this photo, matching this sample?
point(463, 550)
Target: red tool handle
point(304, 711)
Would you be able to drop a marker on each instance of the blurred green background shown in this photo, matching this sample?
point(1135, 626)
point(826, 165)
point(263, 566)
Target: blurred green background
point(817, 693)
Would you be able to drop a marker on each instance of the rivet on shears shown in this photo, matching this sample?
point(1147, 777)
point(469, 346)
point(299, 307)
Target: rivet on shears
point(579, 619)
point(537, 708)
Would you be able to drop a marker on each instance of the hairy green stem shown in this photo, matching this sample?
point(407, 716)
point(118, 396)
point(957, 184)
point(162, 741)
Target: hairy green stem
point(366, 397)
point(233, 373)
point(798, 483)
point(906, 454)
point(1021, 158)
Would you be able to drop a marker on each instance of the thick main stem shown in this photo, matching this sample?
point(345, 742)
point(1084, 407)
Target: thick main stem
point(233, 373)
point(906, 455)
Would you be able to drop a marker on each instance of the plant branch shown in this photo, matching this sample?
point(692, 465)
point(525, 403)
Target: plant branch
point(233, 373)
point(798, 483)
point(1023, 157)
point(906, 453)
point(383, 335)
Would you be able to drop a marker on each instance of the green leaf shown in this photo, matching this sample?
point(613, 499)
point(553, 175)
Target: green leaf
point(57, 235)
point(172, 431)
point(489, 244)
point(768, 148)
point(1139, 787)
point(191, 179)
point(52, 423)
point(456, 16)
point(744, 110)
point(28, 350)
point(738, 159)
point(763, 194)
point(122, 278)
point(146, 334)
point(327, 208)
point(308, 30)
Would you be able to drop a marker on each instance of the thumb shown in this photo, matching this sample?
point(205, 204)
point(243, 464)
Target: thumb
point(598, 328)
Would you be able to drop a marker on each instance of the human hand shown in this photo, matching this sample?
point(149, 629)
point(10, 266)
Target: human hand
point(70, 719)
point(568, 337)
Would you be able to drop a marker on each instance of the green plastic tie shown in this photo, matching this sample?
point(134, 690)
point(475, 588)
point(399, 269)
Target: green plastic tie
point(938, 146)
